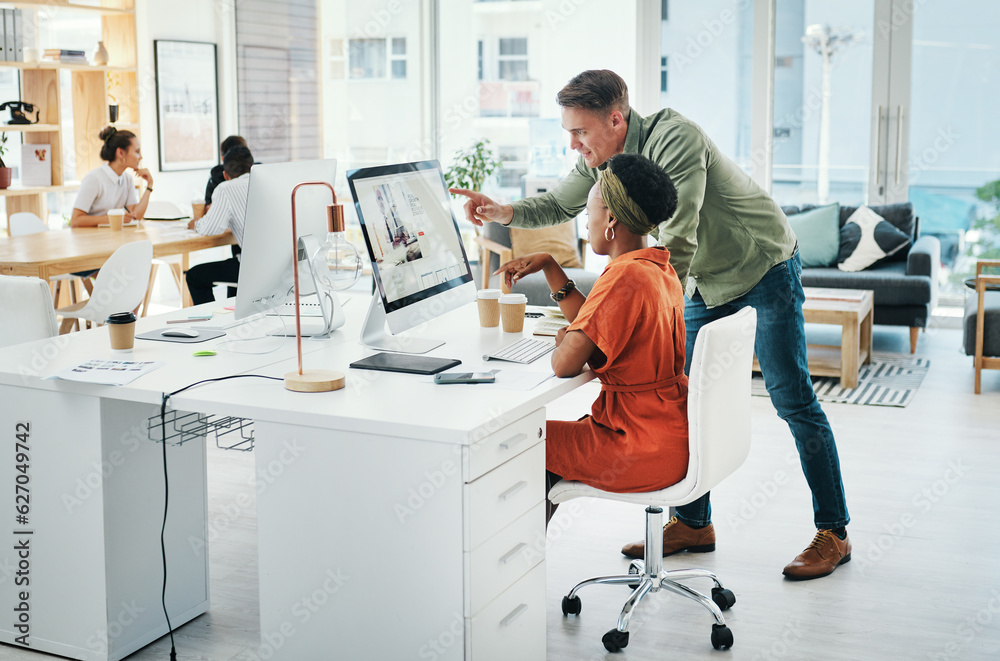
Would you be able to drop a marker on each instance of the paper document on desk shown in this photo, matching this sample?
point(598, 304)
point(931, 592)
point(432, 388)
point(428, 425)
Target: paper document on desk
point(108, 372)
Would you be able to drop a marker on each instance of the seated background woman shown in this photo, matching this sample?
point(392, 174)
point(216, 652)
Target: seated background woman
point(630, 330)
point(109, 187)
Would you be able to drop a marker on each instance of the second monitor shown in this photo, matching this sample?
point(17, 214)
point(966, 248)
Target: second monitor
point(418, 258)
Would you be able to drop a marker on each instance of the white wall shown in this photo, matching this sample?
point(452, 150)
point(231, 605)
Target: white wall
point(183, 20)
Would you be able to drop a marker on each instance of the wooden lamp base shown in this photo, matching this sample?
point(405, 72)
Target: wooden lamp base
point(314, 381)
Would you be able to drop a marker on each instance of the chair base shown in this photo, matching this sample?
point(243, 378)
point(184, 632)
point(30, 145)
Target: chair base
point(648, 576)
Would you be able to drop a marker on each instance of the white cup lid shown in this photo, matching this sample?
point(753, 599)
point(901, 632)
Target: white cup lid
point(513, 298)
point(489, 293)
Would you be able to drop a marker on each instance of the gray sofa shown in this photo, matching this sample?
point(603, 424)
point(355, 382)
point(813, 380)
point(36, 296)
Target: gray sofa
point(905, 284)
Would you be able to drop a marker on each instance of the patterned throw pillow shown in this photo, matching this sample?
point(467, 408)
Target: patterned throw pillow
point(865, 238)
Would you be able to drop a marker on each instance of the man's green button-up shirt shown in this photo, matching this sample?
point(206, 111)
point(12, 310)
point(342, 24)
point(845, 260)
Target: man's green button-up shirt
point(727, 231)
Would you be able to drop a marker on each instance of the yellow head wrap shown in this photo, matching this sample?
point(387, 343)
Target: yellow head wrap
point(622, 206)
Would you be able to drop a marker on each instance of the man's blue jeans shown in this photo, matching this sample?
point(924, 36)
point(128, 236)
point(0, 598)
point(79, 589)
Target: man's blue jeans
point(781, 351)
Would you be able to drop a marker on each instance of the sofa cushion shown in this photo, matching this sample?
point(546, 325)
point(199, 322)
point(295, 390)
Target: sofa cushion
point(557, 240)
point(900, 215)
point(818, 234)
point(991, 331)
point(866, 238)
point(889, 282)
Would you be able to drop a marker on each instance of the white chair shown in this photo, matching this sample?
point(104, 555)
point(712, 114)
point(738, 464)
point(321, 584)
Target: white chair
point(719, 441)
point(164, 210)
point(120, 286)
point(25, 222)
point(28, 313)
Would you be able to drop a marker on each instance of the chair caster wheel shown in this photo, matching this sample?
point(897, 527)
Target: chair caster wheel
point(571, 606)
point(616, 641)
point(633, 569)
point(723, 598)
point(722, 637)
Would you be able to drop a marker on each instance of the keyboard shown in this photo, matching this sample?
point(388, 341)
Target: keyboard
point(523, 351)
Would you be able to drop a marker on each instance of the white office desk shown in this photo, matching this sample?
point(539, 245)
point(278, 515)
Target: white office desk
point(400, 519)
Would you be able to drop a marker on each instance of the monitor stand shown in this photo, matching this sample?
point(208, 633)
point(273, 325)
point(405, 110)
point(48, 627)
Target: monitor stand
point(374, 334)
point(332, 313)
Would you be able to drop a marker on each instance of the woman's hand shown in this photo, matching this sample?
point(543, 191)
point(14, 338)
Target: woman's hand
point(129, 216)
point(144, 174)
point(560, 336)
point(516, 269)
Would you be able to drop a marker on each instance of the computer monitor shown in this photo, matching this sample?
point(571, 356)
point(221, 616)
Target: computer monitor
point(265, 281)
point(416, 251)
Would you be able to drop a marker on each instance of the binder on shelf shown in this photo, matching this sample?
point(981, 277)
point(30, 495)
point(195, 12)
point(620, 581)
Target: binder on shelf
point(18, 36)
point(3, 34)
point(8, 34)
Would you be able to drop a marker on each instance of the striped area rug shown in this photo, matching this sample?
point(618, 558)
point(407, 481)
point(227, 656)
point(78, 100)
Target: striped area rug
point(890, 380)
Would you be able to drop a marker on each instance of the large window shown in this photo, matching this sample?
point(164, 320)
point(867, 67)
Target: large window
point(377, 59)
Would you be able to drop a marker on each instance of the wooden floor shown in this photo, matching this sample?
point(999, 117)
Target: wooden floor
point(922, 487)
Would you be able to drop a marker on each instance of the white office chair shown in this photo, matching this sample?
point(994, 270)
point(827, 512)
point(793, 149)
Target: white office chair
point(28, 313)
point(164, 210)
point(120, 286)
point(25, 222)
point(719, 441)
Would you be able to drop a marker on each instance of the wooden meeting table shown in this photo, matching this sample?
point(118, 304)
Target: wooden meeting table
point(87, 248)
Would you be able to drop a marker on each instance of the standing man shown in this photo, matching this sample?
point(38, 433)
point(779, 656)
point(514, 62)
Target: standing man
point(228, 212)
point(732, 247)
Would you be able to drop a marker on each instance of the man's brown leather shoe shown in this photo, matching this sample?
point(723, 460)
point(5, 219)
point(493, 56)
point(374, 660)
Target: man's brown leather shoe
point(820, 558)
point(677, 537)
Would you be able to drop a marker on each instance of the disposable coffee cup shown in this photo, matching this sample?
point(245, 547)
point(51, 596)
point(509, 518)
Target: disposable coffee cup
point(116, 217)
point(197, 209)
point(512, 312)
point(489, 308)
point(121, 329)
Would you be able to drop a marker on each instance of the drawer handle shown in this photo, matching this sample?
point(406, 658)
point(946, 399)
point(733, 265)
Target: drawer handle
point(513, 440)
point(509, 555)
point(513, 615)
point(513, 490)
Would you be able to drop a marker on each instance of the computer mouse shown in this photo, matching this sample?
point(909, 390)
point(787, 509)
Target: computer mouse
point(179, 332)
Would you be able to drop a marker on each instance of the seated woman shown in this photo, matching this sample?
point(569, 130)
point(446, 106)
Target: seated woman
point(109, 187)
point(630, 330)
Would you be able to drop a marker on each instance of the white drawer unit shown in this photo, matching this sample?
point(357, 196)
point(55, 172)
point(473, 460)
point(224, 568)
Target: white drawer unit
point(512, 626)
point(496, 499)
point(505, 557)
point(504, 444)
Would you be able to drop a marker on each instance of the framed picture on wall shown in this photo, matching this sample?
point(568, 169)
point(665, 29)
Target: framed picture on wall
point(187, 104)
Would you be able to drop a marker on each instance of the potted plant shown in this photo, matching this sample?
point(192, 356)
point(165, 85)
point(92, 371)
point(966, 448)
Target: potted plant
point(5, 172)
point(471, 167)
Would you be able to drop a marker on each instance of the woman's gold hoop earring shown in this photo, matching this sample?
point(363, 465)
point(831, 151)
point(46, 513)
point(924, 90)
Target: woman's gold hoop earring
point(606, 237)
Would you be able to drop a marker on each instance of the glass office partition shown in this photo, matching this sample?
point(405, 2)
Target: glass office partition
point(954, 145)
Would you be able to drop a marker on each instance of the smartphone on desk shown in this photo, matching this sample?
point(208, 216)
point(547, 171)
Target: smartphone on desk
point(464, 377)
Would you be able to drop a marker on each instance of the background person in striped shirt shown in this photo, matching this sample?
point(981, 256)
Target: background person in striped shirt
point(228, 211)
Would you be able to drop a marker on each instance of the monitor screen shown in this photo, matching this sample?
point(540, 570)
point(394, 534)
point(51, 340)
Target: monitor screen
point(413, 240)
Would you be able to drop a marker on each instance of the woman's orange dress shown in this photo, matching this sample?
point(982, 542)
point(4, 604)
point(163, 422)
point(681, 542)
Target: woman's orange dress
point(636, 436)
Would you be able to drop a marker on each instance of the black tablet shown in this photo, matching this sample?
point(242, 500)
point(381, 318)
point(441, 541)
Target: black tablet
point(403, 362)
